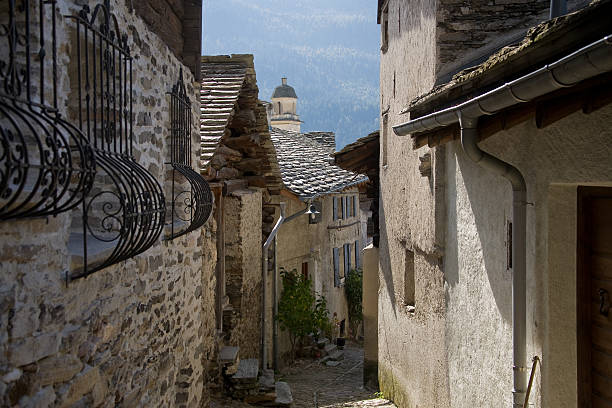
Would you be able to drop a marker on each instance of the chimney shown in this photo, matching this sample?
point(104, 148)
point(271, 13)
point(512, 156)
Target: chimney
point(284, 81)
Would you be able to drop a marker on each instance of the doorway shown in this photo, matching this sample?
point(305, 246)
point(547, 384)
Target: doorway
point(594, 297)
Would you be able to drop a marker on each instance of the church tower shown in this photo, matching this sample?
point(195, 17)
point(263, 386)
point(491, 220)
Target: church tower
point(284, 108)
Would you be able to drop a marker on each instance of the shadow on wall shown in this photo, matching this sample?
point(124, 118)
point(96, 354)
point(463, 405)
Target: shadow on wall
point(385, 260)
point(483, 199)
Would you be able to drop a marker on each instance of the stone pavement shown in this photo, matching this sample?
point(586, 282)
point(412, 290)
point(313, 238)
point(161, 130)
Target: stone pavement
point(335, 387)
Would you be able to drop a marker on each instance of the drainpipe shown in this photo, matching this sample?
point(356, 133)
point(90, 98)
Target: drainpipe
point(264, 282)
point(469, 140)
point(557, 8)
point(587, 62)
point(275, 349)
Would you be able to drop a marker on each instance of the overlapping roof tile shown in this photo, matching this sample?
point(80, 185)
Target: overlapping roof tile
point(307, 167)
point(221, 84)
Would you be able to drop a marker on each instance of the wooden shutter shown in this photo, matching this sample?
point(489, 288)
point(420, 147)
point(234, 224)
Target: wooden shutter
point(348, 259)
point(357, 260)
point(355, 211)
point(336, 254)
point(335, 200)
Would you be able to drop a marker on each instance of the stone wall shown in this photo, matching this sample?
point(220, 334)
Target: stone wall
point(243, 245)
point(130, 334)
point(467, 31)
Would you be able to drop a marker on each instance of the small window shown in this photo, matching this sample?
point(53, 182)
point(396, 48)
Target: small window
point(342, 208)
point(347, 259)
point(384, 139)
point(336, 260)
point(305, 270)
point(384, 26)
point(409, 280)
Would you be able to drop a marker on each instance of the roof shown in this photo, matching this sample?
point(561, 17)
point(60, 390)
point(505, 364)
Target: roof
point(306, 166)
point(362, 155)
point(284, 91)
point(544, 43)
point(222, 80)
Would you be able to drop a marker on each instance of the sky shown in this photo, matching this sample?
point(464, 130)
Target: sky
point(328, 50)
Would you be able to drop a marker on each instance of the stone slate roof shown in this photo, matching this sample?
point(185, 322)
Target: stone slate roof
point(221, 84)
point(306, 166)
point(284, 91)
point(544, 43)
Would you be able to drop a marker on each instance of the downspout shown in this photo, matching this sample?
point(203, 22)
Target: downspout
point(587, 62)
point(264, 282)
point(469, 140)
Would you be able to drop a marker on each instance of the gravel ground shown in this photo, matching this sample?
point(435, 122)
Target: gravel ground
point(330, 387)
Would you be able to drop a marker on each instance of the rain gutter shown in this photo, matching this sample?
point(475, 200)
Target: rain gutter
point(589, 61)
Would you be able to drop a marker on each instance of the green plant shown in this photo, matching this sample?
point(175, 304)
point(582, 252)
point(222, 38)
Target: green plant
point(321, 315)
point(353, 288)
point(296, 307)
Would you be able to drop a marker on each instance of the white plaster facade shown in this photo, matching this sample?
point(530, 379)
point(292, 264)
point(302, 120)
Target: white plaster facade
point(455, 348)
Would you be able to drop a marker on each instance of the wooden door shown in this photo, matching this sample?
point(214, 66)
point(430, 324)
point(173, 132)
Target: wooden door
point(594, 297)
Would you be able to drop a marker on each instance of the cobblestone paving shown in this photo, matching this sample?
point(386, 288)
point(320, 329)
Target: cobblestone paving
point(335, 387)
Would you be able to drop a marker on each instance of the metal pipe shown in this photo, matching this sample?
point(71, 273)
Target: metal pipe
point(469, 140)
point(557, 8)
point(264, 282)
point(275, 349)
point(533, 368)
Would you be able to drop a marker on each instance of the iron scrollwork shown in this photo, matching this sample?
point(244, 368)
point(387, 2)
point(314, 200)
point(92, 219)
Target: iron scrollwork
point(191, 196)
point(124, 213)
point(46, 164)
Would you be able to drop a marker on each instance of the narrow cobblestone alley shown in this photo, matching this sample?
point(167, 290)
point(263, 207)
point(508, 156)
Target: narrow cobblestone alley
point(335, 387)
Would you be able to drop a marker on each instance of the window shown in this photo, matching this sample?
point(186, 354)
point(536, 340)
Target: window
point(384, 26)
point(347, 259)
point(355, 207)
point(342, 208)
point(336, 260)
point(335, 203)
point(305, 270)
point(409, 280)
point(357, 253)
point(384, 139)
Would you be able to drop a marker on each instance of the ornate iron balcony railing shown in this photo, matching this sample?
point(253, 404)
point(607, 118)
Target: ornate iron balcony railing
point(123, 215)
point(191, 196)
point(46, 165)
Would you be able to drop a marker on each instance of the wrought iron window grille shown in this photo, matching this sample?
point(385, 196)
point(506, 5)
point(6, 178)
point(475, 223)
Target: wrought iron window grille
point(46, 164)
point(190, 193)
point(123, 215)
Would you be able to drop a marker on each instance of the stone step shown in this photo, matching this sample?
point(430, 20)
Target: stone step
point(283, 396)
point(321, 343)
point(247, 371)
point(266, 381)
point(228, 355)
point(337, 355)
point(330, 348)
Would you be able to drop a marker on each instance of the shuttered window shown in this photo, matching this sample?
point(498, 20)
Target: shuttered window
point(336, 256)
point(357, 253)
point(335, 201)
point(355, 211)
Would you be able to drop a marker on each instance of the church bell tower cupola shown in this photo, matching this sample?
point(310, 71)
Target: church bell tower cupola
point(284, 108)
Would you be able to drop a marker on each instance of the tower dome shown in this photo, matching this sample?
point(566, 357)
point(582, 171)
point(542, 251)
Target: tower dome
point(284, 108)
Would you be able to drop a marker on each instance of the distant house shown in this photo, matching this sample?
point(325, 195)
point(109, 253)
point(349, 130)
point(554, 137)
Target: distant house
point(326, 246)
point(495, 204)
point(240, 163)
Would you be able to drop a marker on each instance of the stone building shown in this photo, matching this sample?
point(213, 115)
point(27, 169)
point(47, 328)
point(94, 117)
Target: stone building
point(326, 246)
point(495, 223)
point(239, 161)
point(106, 259)
point(283, 113)
point(362, 156)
